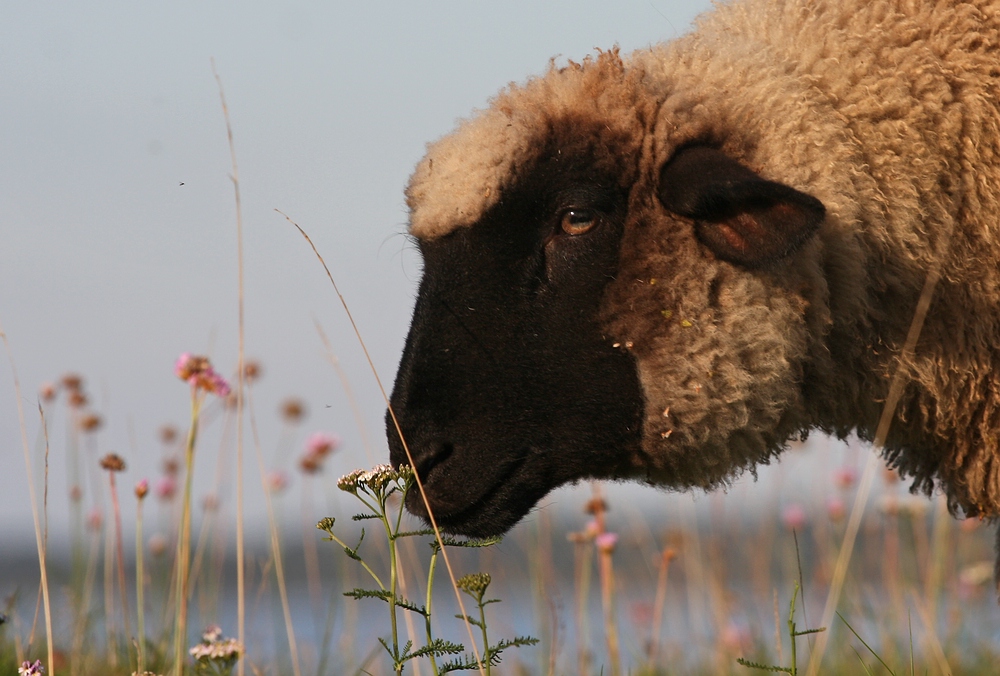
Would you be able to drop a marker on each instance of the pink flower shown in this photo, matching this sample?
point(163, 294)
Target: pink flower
point(736, 638)
point(277, 481)
point(794, 517)
point(845, 477)
point(322, 444)
point(199, 373)
point(836, 509)
point(95, 519)
point(157, 544)
point(166, 488)
point(29, 669)
point(141, 488)
point(606, 542)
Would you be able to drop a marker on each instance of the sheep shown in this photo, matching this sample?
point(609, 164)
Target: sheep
point(666, 266)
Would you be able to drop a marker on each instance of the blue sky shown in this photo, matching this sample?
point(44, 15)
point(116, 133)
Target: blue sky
point(116, 208)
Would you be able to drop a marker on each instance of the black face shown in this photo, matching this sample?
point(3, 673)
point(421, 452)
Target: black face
point(507, 386)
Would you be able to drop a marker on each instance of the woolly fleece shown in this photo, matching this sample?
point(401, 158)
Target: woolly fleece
point(884, 110)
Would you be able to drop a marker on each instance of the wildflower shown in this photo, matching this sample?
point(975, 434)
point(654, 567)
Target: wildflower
point(47, 392)
point(322, 444)
point(836, 509)
point(141, 488)
point(474, 583)
point(199, 373)
point(293, 410)
point(90, 422)
point(845, 477)
point(76, 493)
point(165, 488)
point(212, 633)
point(890, 476)
point(113, 463)
point(210, 503)
point(168, 434)
point(77, 399)
point(310, 464)
point(95, 519)
point(221, 653)
point(592, 529)
point(72, 382)
point(595, 506)
point(251, 371)
point(606, 542)
point(794, 517)
point(277, 481)
point(350, 481)
point(736, 638)
point(326, 523)
point(171, 466)
point(29, 669)
point(157, 544)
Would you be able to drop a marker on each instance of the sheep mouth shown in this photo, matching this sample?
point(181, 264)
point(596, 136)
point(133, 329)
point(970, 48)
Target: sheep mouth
point(470, 503)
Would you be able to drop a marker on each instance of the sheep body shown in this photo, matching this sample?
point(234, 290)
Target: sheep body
point(886, 111)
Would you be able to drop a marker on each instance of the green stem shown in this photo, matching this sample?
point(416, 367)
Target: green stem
point(427, 616)
point(482, 625)
point(183, 541)
point(390, 536)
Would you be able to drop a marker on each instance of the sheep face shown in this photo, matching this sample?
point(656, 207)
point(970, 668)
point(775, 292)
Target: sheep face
point(570, 313)
point(508, 384)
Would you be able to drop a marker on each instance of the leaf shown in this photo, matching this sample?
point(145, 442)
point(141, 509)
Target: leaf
point(369, 594)
point(362, 517)
point(881, 661)
point(411, 533)
point(763, 667)
point(438, 648)
point(809, 631)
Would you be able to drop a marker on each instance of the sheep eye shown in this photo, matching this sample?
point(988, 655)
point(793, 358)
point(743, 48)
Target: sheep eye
point(578, 221)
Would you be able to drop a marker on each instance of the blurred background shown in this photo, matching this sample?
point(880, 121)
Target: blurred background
point(118, 224)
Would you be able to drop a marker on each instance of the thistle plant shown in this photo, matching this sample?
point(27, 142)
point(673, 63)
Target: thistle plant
point(374, 488)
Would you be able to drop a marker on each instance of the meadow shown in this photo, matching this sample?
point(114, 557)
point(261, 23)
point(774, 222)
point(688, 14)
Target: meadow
point(605, 583)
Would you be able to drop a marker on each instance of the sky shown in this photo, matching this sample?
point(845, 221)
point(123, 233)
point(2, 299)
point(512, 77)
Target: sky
point(118, 226)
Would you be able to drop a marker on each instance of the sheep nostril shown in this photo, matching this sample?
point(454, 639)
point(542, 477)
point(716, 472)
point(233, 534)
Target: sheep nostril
point(431, 456)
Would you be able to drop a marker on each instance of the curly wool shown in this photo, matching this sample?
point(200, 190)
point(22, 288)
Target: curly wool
point(884, 110)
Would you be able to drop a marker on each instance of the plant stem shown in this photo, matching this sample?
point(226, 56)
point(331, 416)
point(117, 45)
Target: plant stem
point(140, 583)
point(427, 607)
point(183, 541)
point(120, 553)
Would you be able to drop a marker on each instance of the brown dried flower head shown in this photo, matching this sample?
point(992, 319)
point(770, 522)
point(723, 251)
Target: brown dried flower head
point(113, 463)
point(77, 399)
point(47, 392)
point(293, 410)
point(252, 370)
point(72, 382)
point(168, 434)
point(90, 422)
point(595, 506)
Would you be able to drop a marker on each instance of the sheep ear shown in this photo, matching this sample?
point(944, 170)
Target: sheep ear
point(740, 216)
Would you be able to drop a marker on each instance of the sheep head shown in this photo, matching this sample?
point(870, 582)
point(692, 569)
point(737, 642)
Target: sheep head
point(595, 302)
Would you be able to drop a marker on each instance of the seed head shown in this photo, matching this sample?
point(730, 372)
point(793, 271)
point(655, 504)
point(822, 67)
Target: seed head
point(326, 523)
point(90, 422)
point(168, 434)
point(252, 370)
point(293, 410)
point(141, 488)
point(77, 399)
point(113, 463)
point(47, 392)
point(72, 382)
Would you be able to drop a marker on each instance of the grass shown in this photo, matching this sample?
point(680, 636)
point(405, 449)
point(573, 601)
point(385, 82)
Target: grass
point(709, 577)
